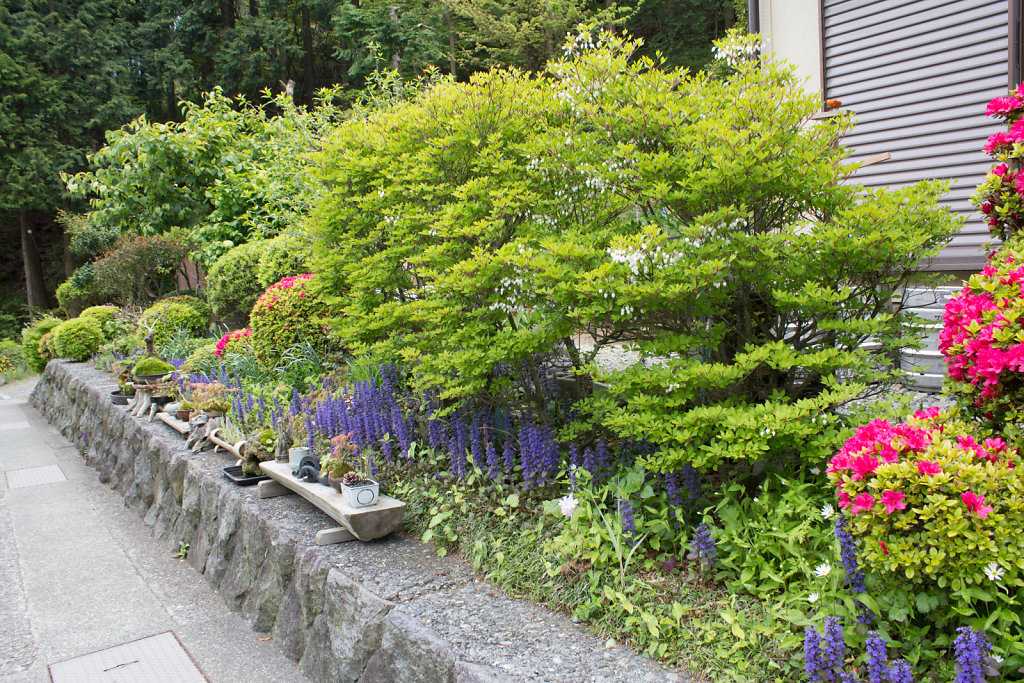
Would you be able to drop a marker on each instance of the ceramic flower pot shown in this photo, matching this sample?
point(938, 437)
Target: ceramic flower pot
point(184, 415)
point(295, 456)
point(361, 496)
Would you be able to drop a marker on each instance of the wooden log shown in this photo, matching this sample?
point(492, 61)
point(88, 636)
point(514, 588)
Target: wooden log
point(365, 523)
point(271, 489)
point(336, 534)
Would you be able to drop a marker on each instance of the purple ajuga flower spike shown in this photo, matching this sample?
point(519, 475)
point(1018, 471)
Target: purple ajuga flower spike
point(877, 659)
point(508, 451)
point(703, 546)
point(812, 654)
point(971, 648)
point(833, 651)
point(848, 553)
point(628, 520)
point(900, 672)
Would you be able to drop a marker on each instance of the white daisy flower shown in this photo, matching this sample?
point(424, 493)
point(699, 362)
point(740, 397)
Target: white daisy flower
point(822, 570)
point(813, 598)
point(567, 504)
point(827, 511)
point(993, 571)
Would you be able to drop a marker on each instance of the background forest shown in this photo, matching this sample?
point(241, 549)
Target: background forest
point(71, 71)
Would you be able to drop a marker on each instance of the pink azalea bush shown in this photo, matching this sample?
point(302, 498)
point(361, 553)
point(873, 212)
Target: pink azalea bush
point(999, 197)
point(233, 342)
point(983, 338)
point(288, 313)
point(934, 500)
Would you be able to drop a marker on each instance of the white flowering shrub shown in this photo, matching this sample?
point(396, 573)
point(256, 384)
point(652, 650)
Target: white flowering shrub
point(703, 223)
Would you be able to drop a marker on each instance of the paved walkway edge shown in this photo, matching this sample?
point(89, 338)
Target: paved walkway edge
point(335, 628)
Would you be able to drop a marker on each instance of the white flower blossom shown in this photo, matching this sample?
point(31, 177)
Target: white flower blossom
point(827, 511)
point(815, 471)
point(993, 571)
point(567, 504)
point(823, 570)
point(813, 598)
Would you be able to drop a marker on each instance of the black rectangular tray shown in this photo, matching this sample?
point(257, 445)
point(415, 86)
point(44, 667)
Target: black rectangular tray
point(234, 473)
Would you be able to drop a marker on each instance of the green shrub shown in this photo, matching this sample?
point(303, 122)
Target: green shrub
point(31, 338)
point(202, 360)
point(13, 352)
point(286, 255)
point(199, 304)
point(287, 314)
point(140, 268)
point(107, 317)
point(152, 366)
point(10, 326)
point(232, 284)
point(704, 223)
point(77, 339)
point(165, 319)
point(81, 290)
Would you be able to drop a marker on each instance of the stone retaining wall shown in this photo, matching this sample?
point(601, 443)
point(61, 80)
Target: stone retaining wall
point(349, 612)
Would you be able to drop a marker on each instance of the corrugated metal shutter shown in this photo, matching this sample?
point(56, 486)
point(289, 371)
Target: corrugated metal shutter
point(918, 75)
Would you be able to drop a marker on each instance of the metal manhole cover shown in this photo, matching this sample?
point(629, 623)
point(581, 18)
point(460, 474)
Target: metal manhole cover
point(34, 476)
point(21, 424)
point(156, 658)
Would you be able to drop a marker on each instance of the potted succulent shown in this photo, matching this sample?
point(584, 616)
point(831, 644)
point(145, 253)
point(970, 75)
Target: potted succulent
point(213, 398)
point(184, 411)
point(358, 489)
point(335, 464)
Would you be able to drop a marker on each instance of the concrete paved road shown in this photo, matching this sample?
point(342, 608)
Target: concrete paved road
point(80, 573)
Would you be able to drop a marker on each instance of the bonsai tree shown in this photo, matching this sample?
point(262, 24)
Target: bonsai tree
point(259, 448)
point(211, 397)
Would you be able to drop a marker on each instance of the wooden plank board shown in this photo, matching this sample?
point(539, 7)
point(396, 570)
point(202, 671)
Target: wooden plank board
point(366, 524)
point(174, 423)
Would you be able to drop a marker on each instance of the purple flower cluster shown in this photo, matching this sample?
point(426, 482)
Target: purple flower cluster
point(628, 520)
point(825, 658)
point(848, 553)
point(972, 649)
point(703, 546)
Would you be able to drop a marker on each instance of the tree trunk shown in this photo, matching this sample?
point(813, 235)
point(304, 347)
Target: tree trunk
point(452, 64)
point(227, 14)
point(254, 8)
point(34, 286)
point(65, 241)
point(307, 58)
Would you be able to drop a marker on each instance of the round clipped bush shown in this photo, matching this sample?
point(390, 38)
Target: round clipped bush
point(235, 341)
point(283, 256)
point(106, 316)
point(935, 500)
point(152, 366)
point(80, 290)
point(77, 339)
point(202, 360)
point(983, 338)
point(232, 284)
point(31, 338)
point(166, 318)
point(289, 312)
point(199, 304)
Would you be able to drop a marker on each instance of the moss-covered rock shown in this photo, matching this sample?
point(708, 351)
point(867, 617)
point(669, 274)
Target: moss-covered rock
point(152, 366)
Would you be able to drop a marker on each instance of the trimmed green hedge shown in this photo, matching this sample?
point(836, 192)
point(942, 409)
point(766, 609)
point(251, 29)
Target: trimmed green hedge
point(232, 284)
point(77, 339)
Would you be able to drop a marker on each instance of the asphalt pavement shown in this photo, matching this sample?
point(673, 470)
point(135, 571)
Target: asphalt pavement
point(81, 575)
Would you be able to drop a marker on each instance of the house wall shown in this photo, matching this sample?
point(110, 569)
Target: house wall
point(792, 33)
point(916, 74)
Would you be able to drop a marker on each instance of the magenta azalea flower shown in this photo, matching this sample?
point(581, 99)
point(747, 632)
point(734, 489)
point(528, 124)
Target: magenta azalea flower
point(928, 468)
point(893, 500)
point(864, 501)
point(976, 504)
